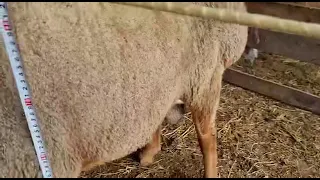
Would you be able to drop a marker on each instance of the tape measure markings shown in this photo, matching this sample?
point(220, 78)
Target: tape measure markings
point(24, 91)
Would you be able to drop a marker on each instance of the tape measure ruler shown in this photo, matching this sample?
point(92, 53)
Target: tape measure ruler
point(23, 89)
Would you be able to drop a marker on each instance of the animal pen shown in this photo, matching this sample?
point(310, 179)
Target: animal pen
point(292, 46)
point(251, 158)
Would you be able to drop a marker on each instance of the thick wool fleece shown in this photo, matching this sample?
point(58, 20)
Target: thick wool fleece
point(103, 76)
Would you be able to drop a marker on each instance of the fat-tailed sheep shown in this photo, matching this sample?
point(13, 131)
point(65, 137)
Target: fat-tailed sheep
point(103, 76)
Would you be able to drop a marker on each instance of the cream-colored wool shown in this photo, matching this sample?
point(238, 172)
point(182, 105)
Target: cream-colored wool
point(103, 76)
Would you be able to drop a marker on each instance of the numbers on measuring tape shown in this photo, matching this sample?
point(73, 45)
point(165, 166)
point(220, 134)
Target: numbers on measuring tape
point(28, 102)
point(36, 131)
point(43, 157)
point(19, 75)
point(10, 34)
point(5, 23)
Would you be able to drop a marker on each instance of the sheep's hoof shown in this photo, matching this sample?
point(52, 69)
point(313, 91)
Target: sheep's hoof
point(146, 160)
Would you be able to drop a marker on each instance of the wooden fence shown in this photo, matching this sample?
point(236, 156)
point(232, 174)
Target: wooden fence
point(288, 45)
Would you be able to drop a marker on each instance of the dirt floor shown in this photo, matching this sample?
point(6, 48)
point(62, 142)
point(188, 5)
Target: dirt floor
point(257, 136)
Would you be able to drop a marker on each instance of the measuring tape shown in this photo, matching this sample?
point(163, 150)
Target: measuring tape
point(23, 89)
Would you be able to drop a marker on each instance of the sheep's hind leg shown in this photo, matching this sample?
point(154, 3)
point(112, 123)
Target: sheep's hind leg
point(203, 111)
point(151, 149)
point(208, 145)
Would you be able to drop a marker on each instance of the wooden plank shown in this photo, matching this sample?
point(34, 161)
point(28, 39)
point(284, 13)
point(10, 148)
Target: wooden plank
point(288, 45)
point(304, 4)
point(285, 10)
point(285, 94)
point(292, 46)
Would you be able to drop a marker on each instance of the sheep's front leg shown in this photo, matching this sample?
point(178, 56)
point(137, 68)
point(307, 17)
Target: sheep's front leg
point(151, 149)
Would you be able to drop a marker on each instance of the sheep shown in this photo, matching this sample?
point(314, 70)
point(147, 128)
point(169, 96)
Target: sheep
point(250, 54)
point(103, 77)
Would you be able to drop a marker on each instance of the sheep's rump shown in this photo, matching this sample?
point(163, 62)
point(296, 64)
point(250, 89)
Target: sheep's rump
point(102, 75)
